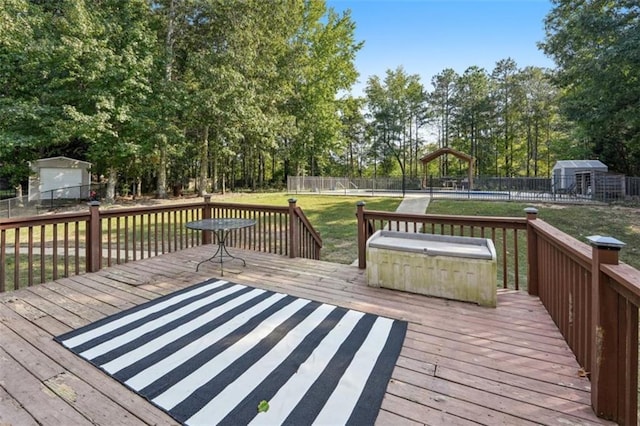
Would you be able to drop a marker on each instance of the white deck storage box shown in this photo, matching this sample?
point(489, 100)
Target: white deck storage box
point(458, 268)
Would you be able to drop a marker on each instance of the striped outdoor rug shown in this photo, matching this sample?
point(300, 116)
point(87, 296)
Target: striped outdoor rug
point(210, 354)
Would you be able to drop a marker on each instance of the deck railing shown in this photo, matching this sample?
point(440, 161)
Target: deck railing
point(592, 298)
point(594, 301)
point(44, 248)
point(507, 233)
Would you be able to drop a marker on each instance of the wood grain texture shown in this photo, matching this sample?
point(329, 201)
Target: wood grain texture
point(461, 364)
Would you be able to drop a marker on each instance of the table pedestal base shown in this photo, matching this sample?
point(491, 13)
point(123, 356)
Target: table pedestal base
point(221, 228)
point(219, 255)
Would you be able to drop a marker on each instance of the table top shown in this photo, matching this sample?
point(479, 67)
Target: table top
point(220, 224)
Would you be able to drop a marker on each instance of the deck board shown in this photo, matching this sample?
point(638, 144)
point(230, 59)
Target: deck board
point(460, 364)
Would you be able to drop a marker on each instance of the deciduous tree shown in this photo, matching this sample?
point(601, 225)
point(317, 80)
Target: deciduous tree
point(596, 46)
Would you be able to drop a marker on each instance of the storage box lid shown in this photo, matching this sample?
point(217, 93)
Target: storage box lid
point(434, 245)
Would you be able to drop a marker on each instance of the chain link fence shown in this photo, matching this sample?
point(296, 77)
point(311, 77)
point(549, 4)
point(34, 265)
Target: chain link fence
point(52, 200)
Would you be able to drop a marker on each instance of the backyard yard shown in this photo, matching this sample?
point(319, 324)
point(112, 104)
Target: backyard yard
point(334, 217)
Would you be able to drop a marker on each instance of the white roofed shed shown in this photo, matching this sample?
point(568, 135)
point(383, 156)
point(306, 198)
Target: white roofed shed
point(564, 172)
point(59, 178)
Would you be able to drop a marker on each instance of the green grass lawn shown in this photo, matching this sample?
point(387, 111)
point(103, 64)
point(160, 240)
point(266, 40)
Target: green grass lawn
point(580, 222)
point(334, 217)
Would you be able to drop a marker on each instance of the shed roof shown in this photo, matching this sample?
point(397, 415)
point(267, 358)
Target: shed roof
point(62, 158)
point(580, 164)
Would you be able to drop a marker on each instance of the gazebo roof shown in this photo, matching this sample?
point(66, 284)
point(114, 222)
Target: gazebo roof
point(438, 152)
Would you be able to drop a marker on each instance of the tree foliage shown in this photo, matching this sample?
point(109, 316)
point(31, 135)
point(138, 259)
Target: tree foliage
point(397, 108)
point(596, 45)
point(507, 120)
point(158, 89)
point(156, 93)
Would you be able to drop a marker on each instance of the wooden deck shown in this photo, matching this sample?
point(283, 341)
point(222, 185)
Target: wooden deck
point(460, 363)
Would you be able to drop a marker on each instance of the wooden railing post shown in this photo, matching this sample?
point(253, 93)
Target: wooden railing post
point(605, 368)
point(94, 237)
point(362, 236)
point(294, 232)
point(206, 214)
point(532, 252)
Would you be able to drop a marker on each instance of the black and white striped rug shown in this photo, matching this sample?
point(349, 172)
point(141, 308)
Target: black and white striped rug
point(210, 354)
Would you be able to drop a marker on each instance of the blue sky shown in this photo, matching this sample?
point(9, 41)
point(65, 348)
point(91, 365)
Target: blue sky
point(427, 36)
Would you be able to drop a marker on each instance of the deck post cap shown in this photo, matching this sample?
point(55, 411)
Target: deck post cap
point(360, 203)
point(610, 243)
point(93, 203)
point(292, 200)
point(531, 210)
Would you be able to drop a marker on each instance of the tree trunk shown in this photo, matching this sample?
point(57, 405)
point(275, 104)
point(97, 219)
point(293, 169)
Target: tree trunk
point(214, 173)
point(169, 41)
point(161, 183)
point(161, 187)
point(112, 181)
point(204, 162)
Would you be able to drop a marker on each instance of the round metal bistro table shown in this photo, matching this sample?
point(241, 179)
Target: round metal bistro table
point(221, 229)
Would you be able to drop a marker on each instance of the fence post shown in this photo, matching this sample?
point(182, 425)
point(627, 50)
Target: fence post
point(431, 186)
point(294, 239)
point(605, 368)
point(532, 252)
point(206, 214)
point(94, 243)
point(362, 235)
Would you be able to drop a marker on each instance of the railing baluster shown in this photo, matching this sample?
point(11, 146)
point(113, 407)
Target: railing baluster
point(182, 235)
point(55, 251)
point(504, 258)
point(3, 261)
point(42, 254)
point(149, 226)
point(66, 249)
point(141, 236)
point(109, 232)
point(16, 269)
point(155, 234)
point(164, 237)
point(134, 238)
point(264, 229)
point(30, 256)
point(126, 240)
point(270, 234)
point(516, 271)
point(76, 237)
point(174, 224)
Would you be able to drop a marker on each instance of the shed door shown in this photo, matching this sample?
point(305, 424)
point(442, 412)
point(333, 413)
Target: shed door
point(60, 183)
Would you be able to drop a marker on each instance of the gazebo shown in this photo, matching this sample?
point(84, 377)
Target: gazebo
point(442, 151)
